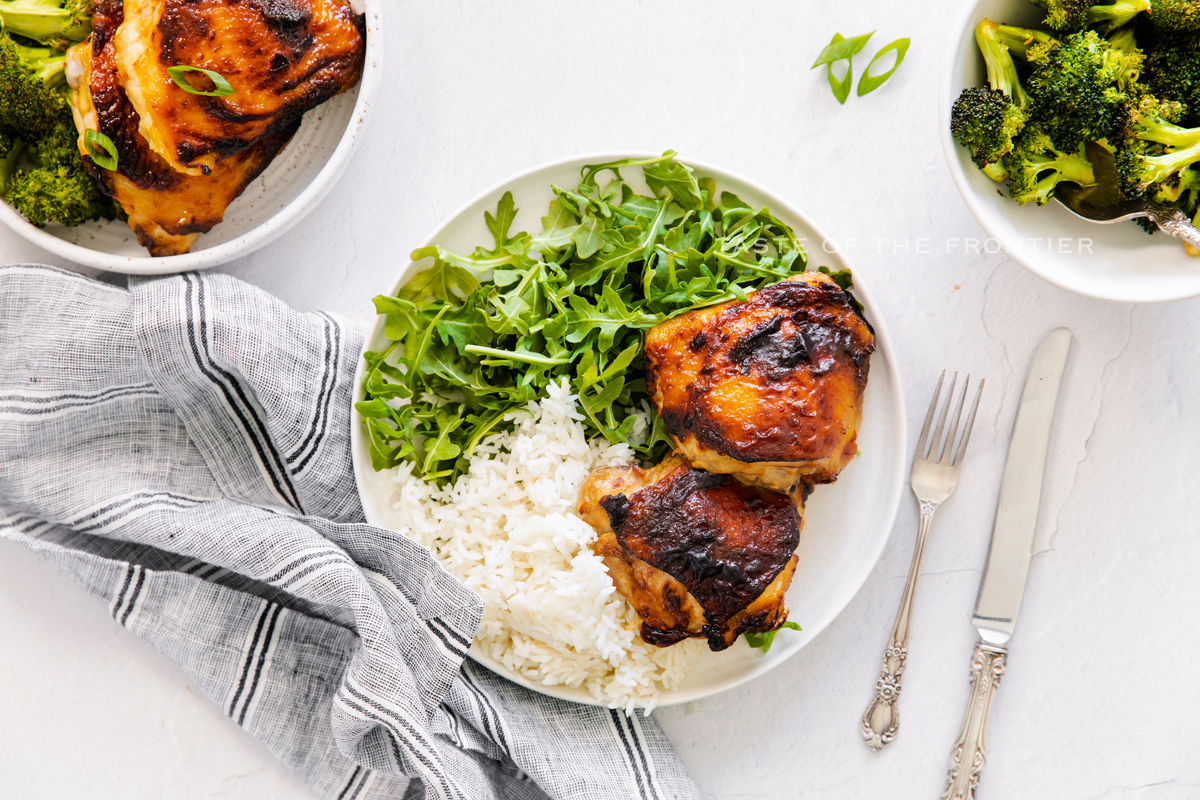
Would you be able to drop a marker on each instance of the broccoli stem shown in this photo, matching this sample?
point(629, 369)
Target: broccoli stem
point(45, 20)
point(1160, 168)
point(1168, 133)
point(1019, 40)
point(1117, 14)
point(1001, 71)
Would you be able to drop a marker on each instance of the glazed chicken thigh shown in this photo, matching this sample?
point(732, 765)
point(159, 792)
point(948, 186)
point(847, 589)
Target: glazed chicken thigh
point(183, 158)
point(695, 554)
point(769, 389)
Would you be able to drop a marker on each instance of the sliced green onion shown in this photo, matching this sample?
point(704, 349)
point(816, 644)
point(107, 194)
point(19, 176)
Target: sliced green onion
point(870, 83)
point(841, 48)
point(221, 87)
point(101, 149)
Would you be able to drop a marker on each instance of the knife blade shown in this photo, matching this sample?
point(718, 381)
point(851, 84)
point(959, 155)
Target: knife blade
point(1003, 583)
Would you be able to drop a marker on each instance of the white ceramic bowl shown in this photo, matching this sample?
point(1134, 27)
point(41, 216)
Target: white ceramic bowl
point(1110, 262)
point(276, 200)
point(846, 524)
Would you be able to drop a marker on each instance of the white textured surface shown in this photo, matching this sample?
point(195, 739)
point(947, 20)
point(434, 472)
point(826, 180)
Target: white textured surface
point(1100, 693)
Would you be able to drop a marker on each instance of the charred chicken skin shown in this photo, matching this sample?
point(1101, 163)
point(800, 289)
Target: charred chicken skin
point(281, 57)
point(769, 389)
point(697, 555)
point(171, 180)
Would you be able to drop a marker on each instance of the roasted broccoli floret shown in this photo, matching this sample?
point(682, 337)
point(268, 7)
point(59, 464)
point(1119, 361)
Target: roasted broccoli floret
point(1036, 167)
point(1081, 86)
point(10, 150)
point(1176, 15)
point(28, 107)
point(1183, 191)
point(1066, 16)
point(985, 119)
point(48, 21)
point(1153, 148)
point(1173, 72)
point(1071, 16)
point(63, 194)
point(57, 186)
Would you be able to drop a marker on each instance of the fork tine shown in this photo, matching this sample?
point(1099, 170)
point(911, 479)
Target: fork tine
point(962, 448)
point(937, 390)
point(948, 447)
point(937, 432)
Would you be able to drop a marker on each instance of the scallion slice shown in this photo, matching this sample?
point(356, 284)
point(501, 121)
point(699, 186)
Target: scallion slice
point(101, 149)
point(221, 87)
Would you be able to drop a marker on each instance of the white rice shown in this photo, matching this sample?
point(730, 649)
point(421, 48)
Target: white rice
point(509, 531)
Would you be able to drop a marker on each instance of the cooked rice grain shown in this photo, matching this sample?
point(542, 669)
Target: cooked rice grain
point(508, 530)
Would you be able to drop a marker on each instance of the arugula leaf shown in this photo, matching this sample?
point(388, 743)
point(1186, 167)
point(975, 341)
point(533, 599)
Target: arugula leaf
point(763, 641)
point(481, 335)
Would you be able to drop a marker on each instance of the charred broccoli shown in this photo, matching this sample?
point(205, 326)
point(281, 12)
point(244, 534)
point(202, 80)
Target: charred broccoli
point(42, 174)
point(1154, 149)
point(986, 119)
point(1072, 16)
point(29, 104)
point(1036, 167)
point(1081, 86)
point(1176, 15)
point(1173, 72)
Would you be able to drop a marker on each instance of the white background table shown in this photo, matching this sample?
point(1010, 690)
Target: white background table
point(1101, 697)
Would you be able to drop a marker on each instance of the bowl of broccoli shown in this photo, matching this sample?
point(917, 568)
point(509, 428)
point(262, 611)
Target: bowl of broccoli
point(1105, 96)
point(48, 196)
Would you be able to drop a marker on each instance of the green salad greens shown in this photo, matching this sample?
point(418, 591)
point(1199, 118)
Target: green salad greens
point(476, 337)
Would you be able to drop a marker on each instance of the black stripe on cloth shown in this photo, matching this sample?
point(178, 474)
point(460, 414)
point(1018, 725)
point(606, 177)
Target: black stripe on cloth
point(125, 512)
point(311, 568)
point(639, 748)
point(287, 569)
point(66, 402)
point(244, 413)
point(486, 709)
point(362, 784)
point(353, 777)
point(182, 501)
point(448, 628)
point(134, 595)
point(249, 662)
point(459, 652)
point(268, 640)
point(211, 573)
point(320, 423)
point(633, 765)
point(383, 716)
point(124, 588)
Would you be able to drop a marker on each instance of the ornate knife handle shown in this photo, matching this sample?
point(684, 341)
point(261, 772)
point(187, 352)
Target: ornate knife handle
point(966, 761)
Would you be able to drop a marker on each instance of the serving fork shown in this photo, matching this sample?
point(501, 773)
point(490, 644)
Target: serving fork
point(934, 476)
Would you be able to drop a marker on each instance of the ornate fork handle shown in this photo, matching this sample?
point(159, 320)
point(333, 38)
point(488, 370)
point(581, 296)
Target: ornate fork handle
point(966, 760)
point(881, 720)
point(1176, 223)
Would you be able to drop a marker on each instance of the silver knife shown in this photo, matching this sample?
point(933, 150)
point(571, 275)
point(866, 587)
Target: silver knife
point(1003, 582)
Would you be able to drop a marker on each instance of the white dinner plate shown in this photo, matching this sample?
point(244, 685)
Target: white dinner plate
point(846, 524)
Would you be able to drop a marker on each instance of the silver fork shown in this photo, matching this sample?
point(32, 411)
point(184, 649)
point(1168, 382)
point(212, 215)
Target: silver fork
point(934, 476)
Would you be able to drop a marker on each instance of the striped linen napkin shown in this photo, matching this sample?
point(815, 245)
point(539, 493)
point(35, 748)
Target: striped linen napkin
point(181, 447)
